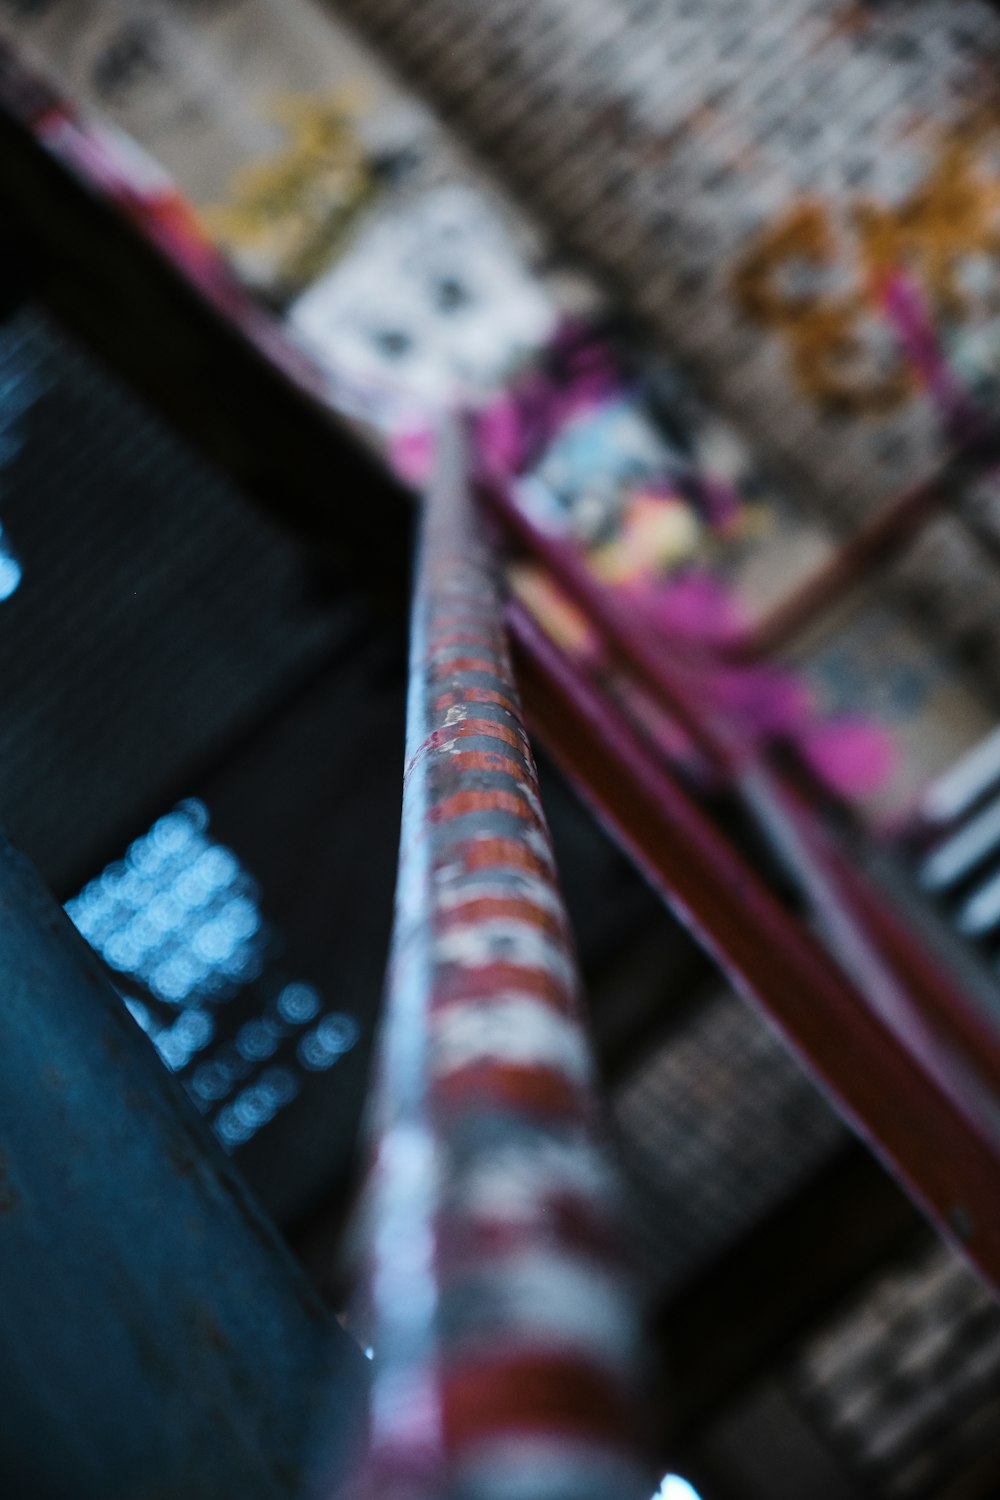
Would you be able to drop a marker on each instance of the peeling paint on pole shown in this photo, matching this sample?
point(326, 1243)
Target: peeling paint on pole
point(502, 1320)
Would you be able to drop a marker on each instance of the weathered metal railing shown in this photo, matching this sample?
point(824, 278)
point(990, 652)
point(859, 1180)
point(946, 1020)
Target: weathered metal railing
point(501, 1318)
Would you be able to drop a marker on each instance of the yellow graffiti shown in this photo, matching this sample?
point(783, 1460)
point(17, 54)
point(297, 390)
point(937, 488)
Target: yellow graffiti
point(791, 279)
point(823, 330)
point(295, 207)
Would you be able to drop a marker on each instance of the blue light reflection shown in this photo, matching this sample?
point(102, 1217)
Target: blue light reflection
point(179, 916)
point(675, 1488)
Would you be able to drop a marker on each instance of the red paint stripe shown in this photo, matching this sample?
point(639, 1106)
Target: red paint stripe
point(443, 739)
point(525, 1090)
point(517, 908)
point(466, 664)
point(536, 1392)
point(485, 760)
point(488, 729)
point(460, 803)
point(461, 696)
point(460, 983)
point(503, 855)
point(570, 1224)
point(483, 728)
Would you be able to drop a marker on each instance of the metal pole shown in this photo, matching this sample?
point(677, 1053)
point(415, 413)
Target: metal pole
point(156, 1338)
point(503, 1326)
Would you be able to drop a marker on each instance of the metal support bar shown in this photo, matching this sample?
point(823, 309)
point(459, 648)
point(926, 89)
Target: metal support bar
point(502, 1324)
point(877, 544)
point(909, 1120)
point(156, 1338)
point(788, 827)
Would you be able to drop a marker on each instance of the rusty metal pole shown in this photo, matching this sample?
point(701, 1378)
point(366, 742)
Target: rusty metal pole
point(503, 1326)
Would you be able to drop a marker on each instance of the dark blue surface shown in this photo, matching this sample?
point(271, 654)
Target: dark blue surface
point(156, 1339)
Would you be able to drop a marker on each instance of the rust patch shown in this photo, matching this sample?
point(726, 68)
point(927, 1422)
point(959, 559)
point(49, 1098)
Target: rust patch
point(502, 854)
point(461, 803)
point(460, 761)
point(517, 908)
point(465, 695)
point(453, 665)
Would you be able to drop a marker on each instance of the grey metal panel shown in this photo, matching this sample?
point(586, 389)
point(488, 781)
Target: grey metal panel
point(156, 1338)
